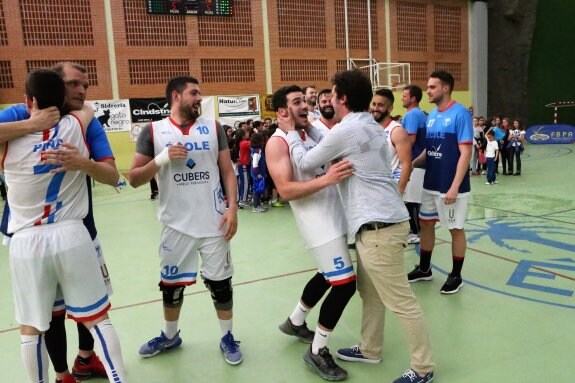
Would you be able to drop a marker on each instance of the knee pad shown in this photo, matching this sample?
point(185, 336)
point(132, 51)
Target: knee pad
point(221, 293)
point(172, 296)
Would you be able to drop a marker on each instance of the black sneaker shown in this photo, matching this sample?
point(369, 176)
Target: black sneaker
point(452, 285)
point(324, 364)
point(419, 275)
point(301, 332)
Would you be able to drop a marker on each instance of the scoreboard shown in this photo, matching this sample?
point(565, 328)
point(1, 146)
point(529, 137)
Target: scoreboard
point(191, 7)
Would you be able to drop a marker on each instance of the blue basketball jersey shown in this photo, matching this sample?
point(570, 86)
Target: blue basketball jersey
point(414, 123)
point(445, 131)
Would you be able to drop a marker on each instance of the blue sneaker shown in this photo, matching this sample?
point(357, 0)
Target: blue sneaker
point(159, 344)
point(411, 376)
point(353, 354)
point(231, 349)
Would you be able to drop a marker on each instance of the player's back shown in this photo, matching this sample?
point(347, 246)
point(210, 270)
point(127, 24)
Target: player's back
point(37, 196)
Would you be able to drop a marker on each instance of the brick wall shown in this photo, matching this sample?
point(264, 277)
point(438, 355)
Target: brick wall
point(307, 43)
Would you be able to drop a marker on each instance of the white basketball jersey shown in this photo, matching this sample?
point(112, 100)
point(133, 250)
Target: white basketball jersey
point(36, 196)
point(191, 197)
point(320, 217)
point(393, 157)
point(321, 126)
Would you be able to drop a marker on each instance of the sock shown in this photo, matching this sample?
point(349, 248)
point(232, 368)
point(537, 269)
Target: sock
point(85, 340)
point(226, 326)
point(107, 339)
point(425, 259)
point(320, 340)
point(170, 329)
point(55, 339)
point(299, 314)
point(84, 361)
point(457, 266)
point(35, 357)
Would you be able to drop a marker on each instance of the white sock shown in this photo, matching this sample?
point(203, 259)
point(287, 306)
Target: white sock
point(320, 340)
point(106, 338)
point(36, 363)
point(299, 314)
point(226, 326)
point(170, 329)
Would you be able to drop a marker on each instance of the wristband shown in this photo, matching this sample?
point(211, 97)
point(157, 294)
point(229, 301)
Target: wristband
point(163, 158)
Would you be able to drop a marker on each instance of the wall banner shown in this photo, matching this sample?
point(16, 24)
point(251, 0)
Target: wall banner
point(114, 115)
point(235, 106)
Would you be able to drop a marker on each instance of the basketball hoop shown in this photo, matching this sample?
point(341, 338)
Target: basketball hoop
point(559, 104)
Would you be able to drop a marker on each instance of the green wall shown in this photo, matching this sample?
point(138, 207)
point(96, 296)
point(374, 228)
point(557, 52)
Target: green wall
point(552, 62)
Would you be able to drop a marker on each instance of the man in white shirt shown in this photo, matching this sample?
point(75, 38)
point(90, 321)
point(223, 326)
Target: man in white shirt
point(327, 119)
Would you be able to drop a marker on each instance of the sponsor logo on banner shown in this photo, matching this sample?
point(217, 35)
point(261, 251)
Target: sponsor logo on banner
point(551, 134)
point(149, 109)
point(113, 115)
point(238, 106)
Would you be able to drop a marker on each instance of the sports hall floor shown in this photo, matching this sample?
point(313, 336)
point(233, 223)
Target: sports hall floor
point(514, 321)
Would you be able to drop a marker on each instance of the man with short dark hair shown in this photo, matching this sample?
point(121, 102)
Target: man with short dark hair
point(327, 118)
point(376, 218)
point(50, 250)
point(446, 187)
point(320, 218)
point(189, 153)
point(102, 168)
point(414, 124)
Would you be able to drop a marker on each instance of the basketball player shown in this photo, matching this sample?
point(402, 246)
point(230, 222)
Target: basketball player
point(103, 169)
point(189, 153)
point(320, 218)
point(49, 249)
point(310, 93)
point(327, 120)
point(446, 187)
point(397, 138)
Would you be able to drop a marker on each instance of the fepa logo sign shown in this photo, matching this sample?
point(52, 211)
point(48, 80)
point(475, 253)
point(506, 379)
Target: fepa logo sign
point(550, 134)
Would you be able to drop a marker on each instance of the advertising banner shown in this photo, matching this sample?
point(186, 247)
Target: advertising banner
point(550, 134)
point(234, 109)
point(114, 115)
point(267, 109)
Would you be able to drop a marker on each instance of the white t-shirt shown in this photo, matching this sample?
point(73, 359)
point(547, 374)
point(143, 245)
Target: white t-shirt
point(491, 149)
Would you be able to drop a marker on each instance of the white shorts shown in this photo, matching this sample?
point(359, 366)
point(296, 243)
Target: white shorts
point(45, 257)
point(414, 188)
point(433, 208)
point(179, 258)
point(59, 304)
point(334, 262)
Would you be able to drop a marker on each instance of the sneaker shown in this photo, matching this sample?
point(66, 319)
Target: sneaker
point(412, 239)
point(277, 203)
point(244, 204)
point(517, 174)
point(353, 354)
point(324, 364)
point(159, 344)
point(419, 275)
point(495, 182)
point(154, 196)
point(94, 368)
point(259, 209)
point(452, 285)
point(488, 183)
point(301, 332)
point(231, 349)
point(483, 172)
point(411, 376)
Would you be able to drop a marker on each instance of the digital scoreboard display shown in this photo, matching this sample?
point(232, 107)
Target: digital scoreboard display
point(191, 7)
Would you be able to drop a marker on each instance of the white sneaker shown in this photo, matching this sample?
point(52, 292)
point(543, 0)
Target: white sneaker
point(412, 239)
point(259, 209)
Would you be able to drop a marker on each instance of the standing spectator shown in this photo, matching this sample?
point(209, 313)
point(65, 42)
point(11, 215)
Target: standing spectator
point(258, 171)
point(376, 218)
point(192, 210)
point(500, 137)
point(515, 146)
point(503, 149)
point(244, 169)
point(491, 153)
point(449, 136)
point(477, 133)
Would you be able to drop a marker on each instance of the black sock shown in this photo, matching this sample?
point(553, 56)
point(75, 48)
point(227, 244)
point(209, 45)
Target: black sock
point(55, 339)
point(84, 361)
point(85, 339)
point(457, 266)
point(425, 259)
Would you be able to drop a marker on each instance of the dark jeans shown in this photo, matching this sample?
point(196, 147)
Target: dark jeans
point(515, 152)
point(491, 169)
